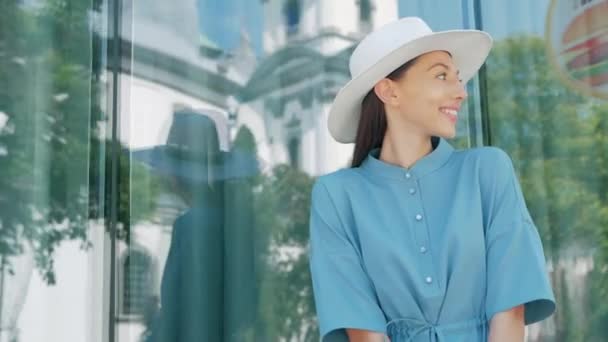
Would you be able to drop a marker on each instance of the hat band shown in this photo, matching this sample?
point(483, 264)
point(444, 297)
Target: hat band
point(186, 153)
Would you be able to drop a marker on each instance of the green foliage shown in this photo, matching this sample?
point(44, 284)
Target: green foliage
point(54, 161)
point(558, 141)
point(282, 201)
point(46, 96)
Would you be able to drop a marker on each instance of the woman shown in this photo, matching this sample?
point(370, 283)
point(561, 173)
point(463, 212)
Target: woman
point(210, 254)
point(418, 241)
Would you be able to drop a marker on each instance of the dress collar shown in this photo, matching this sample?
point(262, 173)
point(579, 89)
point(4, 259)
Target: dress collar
point(441, 153)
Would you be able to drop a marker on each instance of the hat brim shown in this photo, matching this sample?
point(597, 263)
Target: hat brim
point(469, 50)
point(233, 165)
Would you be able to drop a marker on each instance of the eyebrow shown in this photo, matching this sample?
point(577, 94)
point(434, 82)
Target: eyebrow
point(443, 65)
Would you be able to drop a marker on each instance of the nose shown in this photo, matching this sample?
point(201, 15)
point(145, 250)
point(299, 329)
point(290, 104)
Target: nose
point(461, 91)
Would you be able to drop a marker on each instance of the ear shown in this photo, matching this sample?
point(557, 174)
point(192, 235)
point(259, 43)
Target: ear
point(385, 91)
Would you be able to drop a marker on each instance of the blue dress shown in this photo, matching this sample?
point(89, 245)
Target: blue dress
point(428, 253)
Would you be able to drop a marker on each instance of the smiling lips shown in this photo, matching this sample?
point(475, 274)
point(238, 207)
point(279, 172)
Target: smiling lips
point(452, 113)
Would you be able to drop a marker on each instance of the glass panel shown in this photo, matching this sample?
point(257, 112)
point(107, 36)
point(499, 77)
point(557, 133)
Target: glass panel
point(51, 149)
point(547, 108)
point(223, 114)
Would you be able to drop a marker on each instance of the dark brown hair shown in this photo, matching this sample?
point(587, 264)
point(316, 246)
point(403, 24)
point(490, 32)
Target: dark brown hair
point(372, 122)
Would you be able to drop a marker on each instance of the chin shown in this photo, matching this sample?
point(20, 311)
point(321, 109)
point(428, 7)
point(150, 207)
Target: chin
point(449, 134)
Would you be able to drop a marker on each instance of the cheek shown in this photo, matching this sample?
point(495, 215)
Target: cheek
point(412, 99)
point(434, 96)
point(422, 100)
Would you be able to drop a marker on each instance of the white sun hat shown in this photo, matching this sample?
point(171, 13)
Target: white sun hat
point(387, 48)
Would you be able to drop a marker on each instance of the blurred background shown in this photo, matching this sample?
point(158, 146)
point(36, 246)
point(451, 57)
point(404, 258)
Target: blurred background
point(156, 158)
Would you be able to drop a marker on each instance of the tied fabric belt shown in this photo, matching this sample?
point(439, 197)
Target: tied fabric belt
point(400, 328)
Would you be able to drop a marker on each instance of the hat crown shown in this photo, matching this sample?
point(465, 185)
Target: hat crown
point(193, 136)
point(386, 39)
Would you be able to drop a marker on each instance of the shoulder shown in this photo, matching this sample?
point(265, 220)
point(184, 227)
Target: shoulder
point(337, 181)
point(493, 166)
point(333, 191)
point(488, 159)
point(329, 201)
point(488, 156)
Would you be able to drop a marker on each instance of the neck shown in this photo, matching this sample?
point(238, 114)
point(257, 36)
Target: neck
point(405, 149)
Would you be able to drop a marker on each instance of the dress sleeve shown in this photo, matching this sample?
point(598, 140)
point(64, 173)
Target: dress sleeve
point(516, 268)
point(344, 294)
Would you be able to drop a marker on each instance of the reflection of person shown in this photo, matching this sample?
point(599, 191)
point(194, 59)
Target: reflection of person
point(418, 241)
point(198, 301)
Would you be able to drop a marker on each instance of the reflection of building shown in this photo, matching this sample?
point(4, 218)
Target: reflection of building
point(307, 48)
point(283, 100)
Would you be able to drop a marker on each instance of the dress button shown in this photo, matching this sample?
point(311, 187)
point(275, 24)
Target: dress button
point(407, 175)
point(412, 191)
point(418, 217)
point(428, 280)
point(423, 249)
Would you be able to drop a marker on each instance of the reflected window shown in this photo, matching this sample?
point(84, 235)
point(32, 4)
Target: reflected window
point(292, 16)
point(136, 287)
point(365, 12)
point(293, 148)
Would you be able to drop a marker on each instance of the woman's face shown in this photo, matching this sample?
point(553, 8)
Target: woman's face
point(427, 97)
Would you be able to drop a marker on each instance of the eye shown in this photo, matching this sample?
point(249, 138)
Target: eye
point(443, 76)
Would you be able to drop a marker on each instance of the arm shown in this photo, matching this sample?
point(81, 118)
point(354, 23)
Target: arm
point(515, 262)
point(357, 335)
point(508, 326)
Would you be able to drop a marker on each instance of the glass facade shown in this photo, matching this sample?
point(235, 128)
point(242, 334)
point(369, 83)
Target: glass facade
point(157, 158)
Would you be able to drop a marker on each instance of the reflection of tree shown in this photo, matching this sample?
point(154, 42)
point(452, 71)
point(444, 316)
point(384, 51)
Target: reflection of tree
point(598, 282)
point(45, 95)
point(282, 204)
point(560, 152)
point(52, 154)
